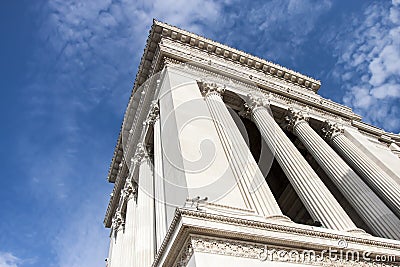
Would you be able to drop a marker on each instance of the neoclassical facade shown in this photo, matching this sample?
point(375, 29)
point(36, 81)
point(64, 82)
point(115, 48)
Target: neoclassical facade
point(226, 159)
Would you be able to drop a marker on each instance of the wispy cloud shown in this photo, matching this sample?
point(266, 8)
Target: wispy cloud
point(275, 30)
point(8, 259)
point(368, 64)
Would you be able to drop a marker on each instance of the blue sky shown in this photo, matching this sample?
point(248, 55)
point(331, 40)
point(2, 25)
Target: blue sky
point(67, 68)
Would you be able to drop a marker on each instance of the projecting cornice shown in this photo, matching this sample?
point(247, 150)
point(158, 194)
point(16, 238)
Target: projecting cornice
point(234, 55)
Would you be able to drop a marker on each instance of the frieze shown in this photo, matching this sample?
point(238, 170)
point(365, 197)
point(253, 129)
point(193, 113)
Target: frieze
point(335, 257)
point(295, 95)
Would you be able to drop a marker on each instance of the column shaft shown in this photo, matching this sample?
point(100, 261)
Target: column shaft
point(315, 196)
point(130, 223)
point(118, 236)
point(249, 177)
point(375, 177)
point(145, 228)
point(161, 216)
point(381, 220)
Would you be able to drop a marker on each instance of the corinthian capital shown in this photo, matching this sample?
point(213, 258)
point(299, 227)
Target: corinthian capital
point(140, 153)
point(294, 117)
point(331, 129)
point(154, 113)
point(118, 221)
point(129, 190)
point(212, 88)
point(254, 101)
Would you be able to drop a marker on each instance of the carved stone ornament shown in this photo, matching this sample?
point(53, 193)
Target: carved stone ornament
point(212, 88)
point(255, 101)
point(129, 190)
point(293, 117)
point(118, 221)
point(140, 153)
point(331, 129)
point(154, 113)
point(270, 253)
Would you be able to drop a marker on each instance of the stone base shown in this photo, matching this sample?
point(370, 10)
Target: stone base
point(204, 238)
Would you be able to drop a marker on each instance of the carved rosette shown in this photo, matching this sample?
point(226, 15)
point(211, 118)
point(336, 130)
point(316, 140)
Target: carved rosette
point(294, 117)
point(153, 114)
point(212, 88)
point(331, 129)
point(118, 221)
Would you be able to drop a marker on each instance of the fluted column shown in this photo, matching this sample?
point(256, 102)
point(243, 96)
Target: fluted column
point(159, 194)
point(118, 232)
point(380, 219)
point(315, 196)
point(144, 229)
point(378, 180)
point(129, 192)
point(248, 176)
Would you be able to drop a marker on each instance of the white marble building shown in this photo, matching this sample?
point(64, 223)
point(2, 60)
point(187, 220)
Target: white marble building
point(226, 159)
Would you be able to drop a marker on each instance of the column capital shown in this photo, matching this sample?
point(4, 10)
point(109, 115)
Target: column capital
point(129, 190)
point(118, 221)
point(331, 129)
point(294, 117)
point(154, 113)
point(140, 153)
point(254, 101)
point(212, 88)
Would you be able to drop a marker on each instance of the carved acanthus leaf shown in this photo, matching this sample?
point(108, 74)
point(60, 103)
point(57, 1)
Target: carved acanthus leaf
point(118, 220)
point(293, 117)
point(210, 88)
point(254, 101)
point(154, 113)
point(331, 129)
point(129, 189)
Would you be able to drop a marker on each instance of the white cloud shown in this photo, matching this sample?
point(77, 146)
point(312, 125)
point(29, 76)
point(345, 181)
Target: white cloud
point(9, 260)
point(368, 64)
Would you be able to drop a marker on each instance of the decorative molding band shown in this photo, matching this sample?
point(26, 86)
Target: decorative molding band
point(262, 252)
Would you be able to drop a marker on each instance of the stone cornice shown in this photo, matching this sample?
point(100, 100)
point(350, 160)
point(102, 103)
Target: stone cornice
point(231, 54)
point(376, 132)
